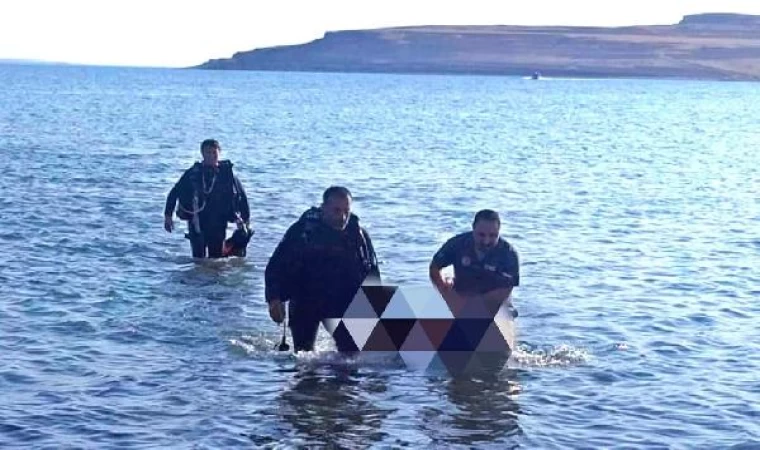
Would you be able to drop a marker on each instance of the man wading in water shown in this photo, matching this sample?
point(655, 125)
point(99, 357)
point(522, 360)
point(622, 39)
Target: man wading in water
point(318, 267)
point(210, 196)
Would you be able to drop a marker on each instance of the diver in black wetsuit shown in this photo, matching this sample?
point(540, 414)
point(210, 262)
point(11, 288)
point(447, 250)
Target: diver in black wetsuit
point(210, 196)
point(318, 267)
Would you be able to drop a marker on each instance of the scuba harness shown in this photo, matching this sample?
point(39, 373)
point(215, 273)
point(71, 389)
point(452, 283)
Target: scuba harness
point(312, 220)
point(200, 194)
point(196, 194)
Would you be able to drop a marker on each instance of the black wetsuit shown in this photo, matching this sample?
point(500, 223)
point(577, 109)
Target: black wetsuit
point(220, 197)
point(318, 270)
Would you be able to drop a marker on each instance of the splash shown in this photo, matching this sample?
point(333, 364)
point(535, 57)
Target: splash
point(324, 355)
point(557, 356)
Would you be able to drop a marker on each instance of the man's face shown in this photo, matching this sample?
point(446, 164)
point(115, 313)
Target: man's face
point(210, 156)
point(486, 234)
point(336, 211)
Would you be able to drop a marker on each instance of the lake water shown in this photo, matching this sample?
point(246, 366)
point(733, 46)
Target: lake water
point(633, 205)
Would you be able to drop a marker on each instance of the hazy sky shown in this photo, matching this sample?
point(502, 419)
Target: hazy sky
point(173, 33)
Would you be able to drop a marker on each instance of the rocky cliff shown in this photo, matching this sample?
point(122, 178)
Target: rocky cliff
point(705, 46)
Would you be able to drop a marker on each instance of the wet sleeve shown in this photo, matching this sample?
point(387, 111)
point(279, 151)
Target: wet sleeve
point(282, 266)
point(171, 198)
point(512, 267)
point(243, 207)
point(374, 270)
point(447, 254)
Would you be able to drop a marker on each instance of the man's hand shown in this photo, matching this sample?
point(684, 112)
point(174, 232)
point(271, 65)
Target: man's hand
point(443, 286)
point(277, 310)
point(447, 291)
point(168, 223)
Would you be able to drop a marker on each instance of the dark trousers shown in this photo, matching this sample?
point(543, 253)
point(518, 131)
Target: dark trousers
point(210, 241)
point(304, 326)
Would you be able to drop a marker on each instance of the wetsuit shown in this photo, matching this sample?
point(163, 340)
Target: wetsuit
point(209, 198)
point(318, 270)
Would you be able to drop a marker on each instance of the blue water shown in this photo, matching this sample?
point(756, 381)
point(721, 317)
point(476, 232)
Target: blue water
point(633, 205)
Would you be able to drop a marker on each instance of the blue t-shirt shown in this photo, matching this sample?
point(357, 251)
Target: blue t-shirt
point(499, 268)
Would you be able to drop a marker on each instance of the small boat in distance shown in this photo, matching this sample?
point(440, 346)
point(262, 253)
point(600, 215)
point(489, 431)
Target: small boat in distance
point(536, 75)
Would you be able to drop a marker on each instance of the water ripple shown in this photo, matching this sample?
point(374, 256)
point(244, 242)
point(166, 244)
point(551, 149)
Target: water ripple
point(632, 204)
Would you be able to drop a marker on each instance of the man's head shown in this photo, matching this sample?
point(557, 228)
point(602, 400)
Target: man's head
point(485, 229)
point(210, 149)
point(336, 206)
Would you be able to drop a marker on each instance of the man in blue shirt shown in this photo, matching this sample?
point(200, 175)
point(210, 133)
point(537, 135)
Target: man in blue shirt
point(485, 265)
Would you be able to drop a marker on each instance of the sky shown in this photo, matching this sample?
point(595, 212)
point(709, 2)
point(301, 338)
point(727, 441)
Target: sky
point(181, 33)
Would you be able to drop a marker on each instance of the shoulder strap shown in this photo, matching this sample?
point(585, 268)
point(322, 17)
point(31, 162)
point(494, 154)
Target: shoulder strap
point(307, 229)
point(225, 169)
point(365, 252)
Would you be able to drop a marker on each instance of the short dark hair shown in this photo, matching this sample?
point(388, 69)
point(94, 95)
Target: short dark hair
point(488, 215)
point(209, 143)
point(333, 191)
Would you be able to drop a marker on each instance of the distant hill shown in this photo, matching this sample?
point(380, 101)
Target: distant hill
point(703, 46)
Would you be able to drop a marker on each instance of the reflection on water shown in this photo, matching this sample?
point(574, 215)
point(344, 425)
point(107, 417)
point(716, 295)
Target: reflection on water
point(332, 407)
point(206, 272)
point(350, 405)
point(479, 410)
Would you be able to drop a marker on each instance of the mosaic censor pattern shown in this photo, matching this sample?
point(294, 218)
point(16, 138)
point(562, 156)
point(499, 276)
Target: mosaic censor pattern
point(428, 331)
